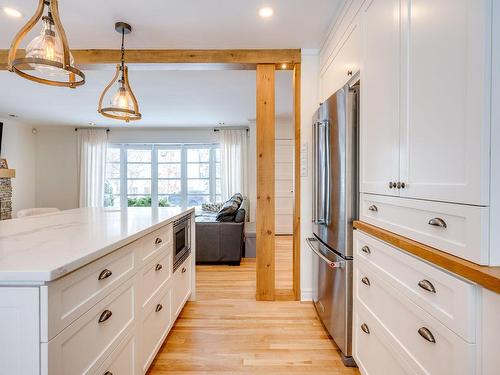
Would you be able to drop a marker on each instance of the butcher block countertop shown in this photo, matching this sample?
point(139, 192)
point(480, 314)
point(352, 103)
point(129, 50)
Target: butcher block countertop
point(487, 277)
point(45, 247)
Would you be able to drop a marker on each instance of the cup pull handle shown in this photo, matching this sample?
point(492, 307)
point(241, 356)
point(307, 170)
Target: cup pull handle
point(366, 249)
point(373, 208)
point(183, 270)
point(108, 373)
point(104, 274)
point(427, 285)
point(438, 222)
point(106, 314)
point(426, 334)
point(365, 328)
point(365, 281)
point(159, 307)
point(158, 267)
point(158, 241)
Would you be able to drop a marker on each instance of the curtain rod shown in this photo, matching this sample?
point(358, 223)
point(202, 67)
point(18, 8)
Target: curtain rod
point(232, 128)
point(76, 129)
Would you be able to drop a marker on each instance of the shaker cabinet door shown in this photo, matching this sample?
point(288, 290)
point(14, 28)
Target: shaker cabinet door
point(380, 81)
point(445, 100)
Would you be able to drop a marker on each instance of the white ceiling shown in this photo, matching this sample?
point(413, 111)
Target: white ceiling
point(186, 24)
point(166, 98)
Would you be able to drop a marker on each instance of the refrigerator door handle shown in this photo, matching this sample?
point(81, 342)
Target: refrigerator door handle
point(315, 173)
point(321, 256)
point(327, 182)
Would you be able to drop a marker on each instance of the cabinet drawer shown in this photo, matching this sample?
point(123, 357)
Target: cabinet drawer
point(450, 300)
point(371, 349)
point(456, 229)
point(84, 345)
point(154, 276)
point(442, 352)
point(123, 360)
point(156, 242)
point(154, 328)
point(181, 286)
point(66, 299)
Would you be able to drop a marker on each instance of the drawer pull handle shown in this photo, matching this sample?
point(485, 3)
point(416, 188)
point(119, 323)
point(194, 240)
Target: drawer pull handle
point(108, 373)
point(104, 274)
point(183, 270)
point(366, 249)
point(106, 314)
point(438, 222)
point(426, 334)
point(365, 328)
point(427, 285)
point(158, 241)
point(159, 307)
point(373, 208)
point(158, 267)
point(365, 281)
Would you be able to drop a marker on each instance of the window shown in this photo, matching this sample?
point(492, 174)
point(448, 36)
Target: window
point(162, 175)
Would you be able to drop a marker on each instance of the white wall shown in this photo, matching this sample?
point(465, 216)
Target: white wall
point(309, 104)
point(150, 135)
point(18, 147)
point(56, 168)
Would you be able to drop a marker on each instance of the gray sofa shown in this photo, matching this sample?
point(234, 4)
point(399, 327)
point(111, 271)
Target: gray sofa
point(219, 236)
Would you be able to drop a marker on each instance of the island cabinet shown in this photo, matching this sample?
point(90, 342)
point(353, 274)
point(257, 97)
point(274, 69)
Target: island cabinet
point(109, 317)
point(411, 317)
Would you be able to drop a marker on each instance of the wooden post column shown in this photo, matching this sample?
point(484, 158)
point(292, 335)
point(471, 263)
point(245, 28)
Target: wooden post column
point(296, 189)
point(265, 219)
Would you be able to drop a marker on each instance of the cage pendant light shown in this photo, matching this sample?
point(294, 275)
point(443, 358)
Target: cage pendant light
point(47, 59)
point(123, 105)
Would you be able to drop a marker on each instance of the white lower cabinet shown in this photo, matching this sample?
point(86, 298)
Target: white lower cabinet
point(412, 326)
point(182, 291)
point(123, 361)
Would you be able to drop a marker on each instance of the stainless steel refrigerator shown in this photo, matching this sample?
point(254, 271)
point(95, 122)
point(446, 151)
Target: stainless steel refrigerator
point(335, 206)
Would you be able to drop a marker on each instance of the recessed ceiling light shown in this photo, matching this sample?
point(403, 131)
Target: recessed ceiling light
point(11, 12)
point(266, 12)
point(284, 66)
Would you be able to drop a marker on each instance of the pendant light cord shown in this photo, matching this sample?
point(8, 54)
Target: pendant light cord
point(123, 56)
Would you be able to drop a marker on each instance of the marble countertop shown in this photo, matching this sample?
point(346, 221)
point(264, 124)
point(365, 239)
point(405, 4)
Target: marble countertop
point(45, 247)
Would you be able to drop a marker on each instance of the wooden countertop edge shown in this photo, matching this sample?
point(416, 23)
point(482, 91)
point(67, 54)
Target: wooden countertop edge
point(487, 277)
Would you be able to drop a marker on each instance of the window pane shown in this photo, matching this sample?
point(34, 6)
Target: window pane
point(169, 187)
point(139, 170)
point(218, 186)
point(144, 201)
point(198, 155)
point(169, 156)
point(217, 155)
point(169, 170)
point(217, 170)
point(143, 156)
point(198, 186)
point(113, 170)
point(111, 201)
point(170, 201)
point(218, 198)
point(197, 200)
point(112, 186)
point(139, 187)
point(113, 155)
point(198, 170)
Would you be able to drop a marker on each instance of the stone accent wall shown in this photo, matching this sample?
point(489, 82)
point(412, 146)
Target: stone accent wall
point(5, 199)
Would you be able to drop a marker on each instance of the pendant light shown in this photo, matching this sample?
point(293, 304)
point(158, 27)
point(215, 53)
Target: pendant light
point(48, 59)
point(123, 104)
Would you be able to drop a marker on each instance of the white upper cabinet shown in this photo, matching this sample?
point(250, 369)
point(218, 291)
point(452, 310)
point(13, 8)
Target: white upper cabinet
point(445, 100)
point(425, 110)
point(380, 83)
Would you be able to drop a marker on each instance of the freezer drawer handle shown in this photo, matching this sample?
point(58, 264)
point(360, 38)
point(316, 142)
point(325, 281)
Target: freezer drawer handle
point(373, 208)
point(426, 334)
point(438, 222)
point(365, 281)
point(321, 256)
point(365, 328)
point(427, 285)
point(366, 249)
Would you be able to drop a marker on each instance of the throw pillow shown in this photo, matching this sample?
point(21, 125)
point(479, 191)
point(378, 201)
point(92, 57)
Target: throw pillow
point(228, 211)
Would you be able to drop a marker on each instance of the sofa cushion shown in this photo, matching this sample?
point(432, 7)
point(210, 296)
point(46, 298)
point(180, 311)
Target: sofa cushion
point(228, 211)
point(240, 216)
point(238, 198)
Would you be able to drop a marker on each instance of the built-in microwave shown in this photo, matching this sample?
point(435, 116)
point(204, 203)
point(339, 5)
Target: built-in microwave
point(182, 240)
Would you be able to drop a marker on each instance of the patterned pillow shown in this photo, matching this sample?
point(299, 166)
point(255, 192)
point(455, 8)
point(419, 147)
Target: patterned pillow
point(212, 207)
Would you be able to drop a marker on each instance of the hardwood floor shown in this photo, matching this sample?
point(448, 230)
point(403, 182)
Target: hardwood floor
point(284, 262)
point(227, 332)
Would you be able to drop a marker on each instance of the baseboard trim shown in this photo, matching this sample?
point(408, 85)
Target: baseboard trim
point(306, 295)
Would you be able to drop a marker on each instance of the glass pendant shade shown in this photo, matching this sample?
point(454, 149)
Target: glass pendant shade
point(118, 93)
point(48, 59)
point(122, 102)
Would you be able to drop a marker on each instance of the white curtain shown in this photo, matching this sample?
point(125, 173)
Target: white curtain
point(234, 159)
point(92, 145)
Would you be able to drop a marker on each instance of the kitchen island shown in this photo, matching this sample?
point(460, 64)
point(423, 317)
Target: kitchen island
point(92, 290)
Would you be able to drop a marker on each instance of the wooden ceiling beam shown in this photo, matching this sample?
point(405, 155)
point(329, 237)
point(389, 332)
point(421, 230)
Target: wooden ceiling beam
point(180, 56)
